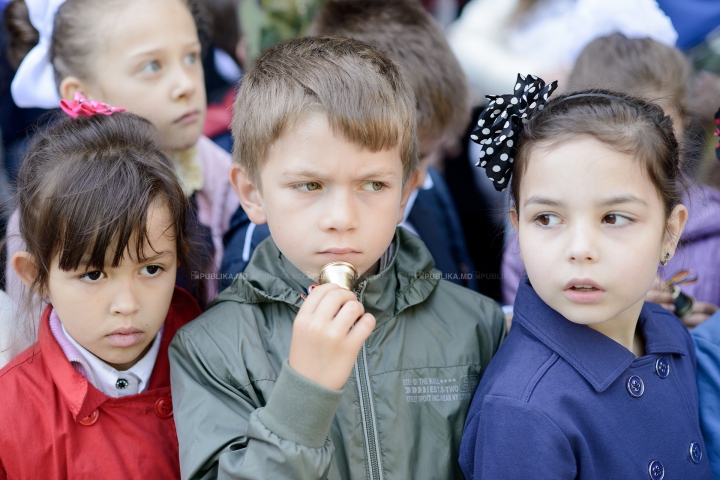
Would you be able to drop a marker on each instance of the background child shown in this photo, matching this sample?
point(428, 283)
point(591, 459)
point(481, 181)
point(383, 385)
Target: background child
point(405, 31)
point(143, 55)
point(648, 69)
point(575, 390)
point(271, 383)
point(102, 216)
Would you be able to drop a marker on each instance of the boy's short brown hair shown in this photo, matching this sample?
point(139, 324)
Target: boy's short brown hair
point(405, 31)
point(642, 67)
point(361, 90)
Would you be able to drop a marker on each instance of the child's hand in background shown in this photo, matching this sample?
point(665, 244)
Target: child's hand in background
point(328, 332)
point(662, 295)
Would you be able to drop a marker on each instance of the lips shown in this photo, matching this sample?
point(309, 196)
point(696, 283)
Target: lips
point(339, 251)
point(190, 117)
point(125, 337)
point(583, 290)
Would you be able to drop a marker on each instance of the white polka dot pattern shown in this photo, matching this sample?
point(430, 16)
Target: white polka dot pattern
point(504, 118)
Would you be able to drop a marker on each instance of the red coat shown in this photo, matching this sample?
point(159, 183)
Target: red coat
point(54, 424)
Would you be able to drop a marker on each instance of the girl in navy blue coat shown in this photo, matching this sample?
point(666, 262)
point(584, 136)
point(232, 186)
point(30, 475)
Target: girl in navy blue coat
point(591, 382)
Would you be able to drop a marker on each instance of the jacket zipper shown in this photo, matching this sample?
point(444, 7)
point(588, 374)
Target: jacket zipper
point(367, 409)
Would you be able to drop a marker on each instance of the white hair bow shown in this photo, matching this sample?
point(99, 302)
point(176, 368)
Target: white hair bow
point(34, 82)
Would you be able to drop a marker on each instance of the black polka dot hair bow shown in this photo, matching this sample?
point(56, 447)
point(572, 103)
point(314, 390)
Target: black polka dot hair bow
point(717, 133)
point(500, 124)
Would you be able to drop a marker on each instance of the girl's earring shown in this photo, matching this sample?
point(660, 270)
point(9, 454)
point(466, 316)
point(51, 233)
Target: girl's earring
point(665, 259)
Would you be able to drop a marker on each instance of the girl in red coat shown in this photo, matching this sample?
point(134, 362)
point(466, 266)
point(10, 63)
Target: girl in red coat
point(103, 217)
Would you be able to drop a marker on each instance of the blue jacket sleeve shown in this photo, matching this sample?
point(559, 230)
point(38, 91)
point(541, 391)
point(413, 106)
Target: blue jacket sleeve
point(516, 440)
point(707, 343)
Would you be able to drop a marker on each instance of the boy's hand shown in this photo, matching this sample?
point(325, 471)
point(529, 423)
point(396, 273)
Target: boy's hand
point(328, 333)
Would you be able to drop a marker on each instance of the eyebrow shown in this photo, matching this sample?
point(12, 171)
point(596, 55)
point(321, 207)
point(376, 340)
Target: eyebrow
point(154, 51)
point(620, 199)
point(321, 176)
point(85, 260)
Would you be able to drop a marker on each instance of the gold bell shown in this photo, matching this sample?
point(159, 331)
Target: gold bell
point(343, 274)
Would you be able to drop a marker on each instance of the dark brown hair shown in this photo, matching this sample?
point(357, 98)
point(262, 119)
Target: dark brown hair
point(85, 188)
point(360, 89)
point(409, 35)
point(75, 22)
point(641, 130)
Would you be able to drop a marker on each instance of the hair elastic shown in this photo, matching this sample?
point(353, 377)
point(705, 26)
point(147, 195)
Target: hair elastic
point(82, 107)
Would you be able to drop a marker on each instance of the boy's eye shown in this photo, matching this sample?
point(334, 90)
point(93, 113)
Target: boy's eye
point(151, 270)
point(151, 67)
point(92, 277)
point(310, 186)
point(373, 186)
point(615, 219)
point(547, 219)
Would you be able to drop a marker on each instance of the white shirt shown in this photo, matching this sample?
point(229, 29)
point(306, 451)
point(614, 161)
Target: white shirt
point(114, 383)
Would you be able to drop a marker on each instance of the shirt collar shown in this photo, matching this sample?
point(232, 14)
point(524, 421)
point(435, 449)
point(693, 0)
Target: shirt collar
point(107, 379)
point(599, 359)
point(427, 185)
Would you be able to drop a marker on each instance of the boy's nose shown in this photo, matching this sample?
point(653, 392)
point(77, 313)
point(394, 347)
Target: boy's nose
point(341, 212)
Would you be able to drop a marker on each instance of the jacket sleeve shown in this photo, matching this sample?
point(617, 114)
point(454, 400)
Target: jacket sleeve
point(515, 440)
point(224, 432)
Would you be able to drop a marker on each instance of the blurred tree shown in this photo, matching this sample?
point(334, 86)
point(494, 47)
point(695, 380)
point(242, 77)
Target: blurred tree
point(268, 22)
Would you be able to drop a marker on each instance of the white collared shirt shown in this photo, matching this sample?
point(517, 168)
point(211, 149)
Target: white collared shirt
point(427, 185)
point(114, 383)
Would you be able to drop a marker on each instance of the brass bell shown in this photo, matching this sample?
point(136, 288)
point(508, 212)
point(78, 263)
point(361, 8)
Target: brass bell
point(343, 274)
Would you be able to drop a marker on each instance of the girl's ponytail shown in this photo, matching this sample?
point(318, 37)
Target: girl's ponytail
point(22, 36)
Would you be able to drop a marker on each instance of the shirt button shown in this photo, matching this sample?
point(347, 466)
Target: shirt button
point(163, 407)
point(635, 386)
point(662, 367)
point(695, 452)
point(656, 470)
point(90, 419)
point(121, 383)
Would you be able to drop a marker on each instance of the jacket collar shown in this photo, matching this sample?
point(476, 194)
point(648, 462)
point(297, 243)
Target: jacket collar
point(408, 279)
point(599, 359)
point(80, 396)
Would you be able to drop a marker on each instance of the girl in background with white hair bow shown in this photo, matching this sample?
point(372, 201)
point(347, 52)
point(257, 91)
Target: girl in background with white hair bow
point(143, 55)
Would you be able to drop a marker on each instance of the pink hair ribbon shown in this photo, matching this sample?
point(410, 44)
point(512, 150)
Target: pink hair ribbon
point(82, 107)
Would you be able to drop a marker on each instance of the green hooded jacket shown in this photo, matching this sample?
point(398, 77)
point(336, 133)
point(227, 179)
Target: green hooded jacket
point(242, 412)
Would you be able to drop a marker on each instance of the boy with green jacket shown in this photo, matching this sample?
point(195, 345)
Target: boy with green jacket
point(280, 379)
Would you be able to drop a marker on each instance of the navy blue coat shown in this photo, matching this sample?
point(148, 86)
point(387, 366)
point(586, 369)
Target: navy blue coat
point(562, 401)
point(433, 215)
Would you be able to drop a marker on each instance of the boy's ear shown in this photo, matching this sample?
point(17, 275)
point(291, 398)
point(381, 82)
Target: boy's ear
point(25, 266)
point(70, 85)
point(410, 185)
point(673, 229)
point(248, 194)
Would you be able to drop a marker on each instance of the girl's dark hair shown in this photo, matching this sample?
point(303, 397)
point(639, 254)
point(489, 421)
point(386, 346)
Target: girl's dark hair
point(85, 189)
point(71, 46)
point(638, 128)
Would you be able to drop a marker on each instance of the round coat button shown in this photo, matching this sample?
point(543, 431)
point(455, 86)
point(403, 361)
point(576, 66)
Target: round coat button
point(163, 407)
point(656, 470)
point(662, 367)
point(90, 419)
point(635, 386)
point(695, 452)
